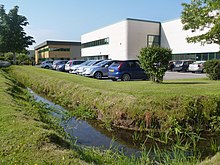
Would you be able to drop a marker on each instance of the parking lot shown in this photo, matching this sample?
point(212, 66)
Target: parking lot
point(183, 75)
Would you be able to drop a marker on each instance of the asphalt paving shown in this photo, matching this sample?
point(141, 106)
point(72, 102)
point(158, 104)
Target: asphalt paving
point(183, 75)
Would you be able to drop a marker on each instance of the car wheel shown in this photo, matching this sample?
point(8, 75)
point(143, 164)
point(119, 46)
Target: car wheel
point(98, 75)
point(114, 79)
point(126, 77)
point(47, 67)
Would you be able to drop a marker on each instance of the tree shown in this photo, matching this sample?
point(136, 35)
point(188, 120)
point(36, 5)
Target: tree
point(202, 15)
point(155, 61)
point(12, 36)
point(3, 16)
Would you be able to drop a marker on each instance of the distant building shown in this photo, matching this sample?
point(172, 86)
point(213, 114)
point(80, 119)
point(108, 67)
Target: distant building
point(124, 40)
point(31, 53)
point(57, 50)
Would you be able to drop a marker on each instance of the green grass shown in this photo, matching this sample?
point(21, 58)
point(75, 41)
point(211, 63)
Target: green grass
point(29, 135)
point(134, 104)
point(25, 139)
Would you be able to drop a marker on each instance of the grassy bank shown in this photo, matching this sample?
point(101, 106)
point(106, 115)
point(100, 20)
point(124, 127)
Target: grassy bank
point(26, 139)
point(193, 104)
point(30, 135)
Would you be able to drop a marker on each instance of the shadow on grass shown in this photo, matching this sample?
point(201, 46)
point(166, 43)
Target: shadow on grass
point(14, 87)
point(185, 83)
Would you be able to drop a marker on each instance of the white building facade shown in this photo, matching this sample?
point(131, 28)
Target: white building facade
point(173, 37)
point(120, 41)
point(124, 40)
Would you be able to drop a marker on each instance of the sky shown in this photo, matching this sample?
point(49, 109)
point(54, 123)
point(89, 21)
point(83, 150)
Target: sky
point(67, 20)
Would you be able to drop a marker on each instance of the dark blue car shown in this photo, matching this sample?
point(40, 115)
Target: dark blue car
point(126, 70)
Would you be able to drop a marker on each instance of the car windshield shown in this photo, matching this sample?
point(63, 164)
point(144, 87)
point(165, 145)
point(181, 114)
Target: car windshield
point(179, 62)
point(101, 63)
point(92, 63)
point(86, 63)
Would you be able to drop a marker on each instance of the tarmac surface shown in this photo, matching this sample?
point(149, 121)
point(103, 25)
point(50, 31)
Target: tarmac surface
point(183, 75)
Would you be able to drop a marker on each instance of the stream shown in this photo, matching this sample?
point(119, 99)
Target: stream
point(90, 133)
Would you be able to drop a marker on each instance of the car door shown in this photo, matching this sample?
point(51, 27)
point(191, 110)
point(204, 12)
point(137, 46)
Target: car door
point(104, 69)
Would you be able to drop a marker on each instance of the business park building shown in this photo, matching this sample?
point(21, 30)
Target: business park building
point(124, 40)
point(63, 50)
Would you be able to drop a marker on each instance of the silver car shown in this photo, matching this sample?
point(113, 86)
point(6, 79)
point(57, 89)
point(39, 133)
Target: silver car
point(46, 64)
point(71, 63)
point(73, 69)
point(81, 69)
point(4, 64)
point(98, 70)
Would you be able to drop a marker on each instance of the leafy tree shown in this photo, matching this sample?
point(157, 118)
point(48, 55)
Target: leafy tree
point(3, 16)
point(12, 36)
point(202, 15)
point(155, 60)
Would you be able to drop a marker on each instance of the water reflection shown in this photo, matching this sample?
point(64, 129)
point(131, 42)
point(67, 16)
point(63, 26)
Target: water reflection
point(84, 133)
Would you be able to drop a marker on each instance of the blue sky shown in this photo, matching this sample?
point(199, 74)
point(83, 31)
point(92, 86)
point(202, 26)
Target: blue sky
point(69, 19)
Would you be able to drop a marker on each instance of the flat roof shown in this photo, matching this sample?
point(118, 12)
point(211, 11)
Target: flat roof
point(57, 43)
point(141, 20)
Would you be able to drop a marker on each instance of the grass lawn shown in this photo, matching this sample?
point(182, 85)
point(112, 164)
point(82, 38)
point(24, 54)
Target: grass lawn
point(129, 104)
point(170, 88)
point(26, 140)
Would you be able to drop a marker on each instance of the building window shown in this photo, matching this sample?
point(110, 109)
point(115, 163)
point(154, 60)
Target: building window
point(197, 56)
point(60, 49)
point(43, 50)
point(153, 40)
point(103, 41)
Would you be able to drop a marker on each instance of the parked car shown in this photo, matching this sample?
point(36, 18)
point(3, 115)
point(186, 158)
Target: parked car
point(71, 63)
point(73, 69)
point(182, 65)
point(59, 65)
point(4, 64)
point(171, 65)
point(81, 69)
point(98, 70)
point(46, 64)
point(126, 70)
point(197, 66)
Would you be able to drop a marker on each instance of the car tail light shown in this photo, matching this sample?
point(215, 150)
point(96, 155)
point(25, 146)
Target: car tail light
point(119, 66)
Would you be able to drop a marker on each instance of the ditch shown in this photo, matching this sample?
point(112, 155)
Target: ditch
point(92, 133)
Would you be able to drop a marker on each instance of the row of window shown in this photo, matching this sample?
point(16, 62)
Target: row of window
point(54, 49)
point(197, 56)
point(103, 41)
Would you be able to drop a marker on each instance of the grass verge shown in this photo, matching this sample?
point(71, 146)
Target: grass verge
point(25, 139)
point(193, 104)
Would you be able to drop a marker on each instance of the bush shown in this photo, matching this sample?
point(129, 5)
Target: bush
point(212, 68)
point(155, 60)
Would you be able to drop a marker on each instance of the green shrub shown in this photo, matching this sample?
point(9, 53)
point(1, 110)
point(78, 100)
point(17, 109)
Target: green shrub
point(155, 60)
point(212, 68)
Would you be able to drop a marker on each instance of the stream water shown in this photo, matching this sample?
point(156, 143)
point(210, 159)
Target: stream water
point(89, 133)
